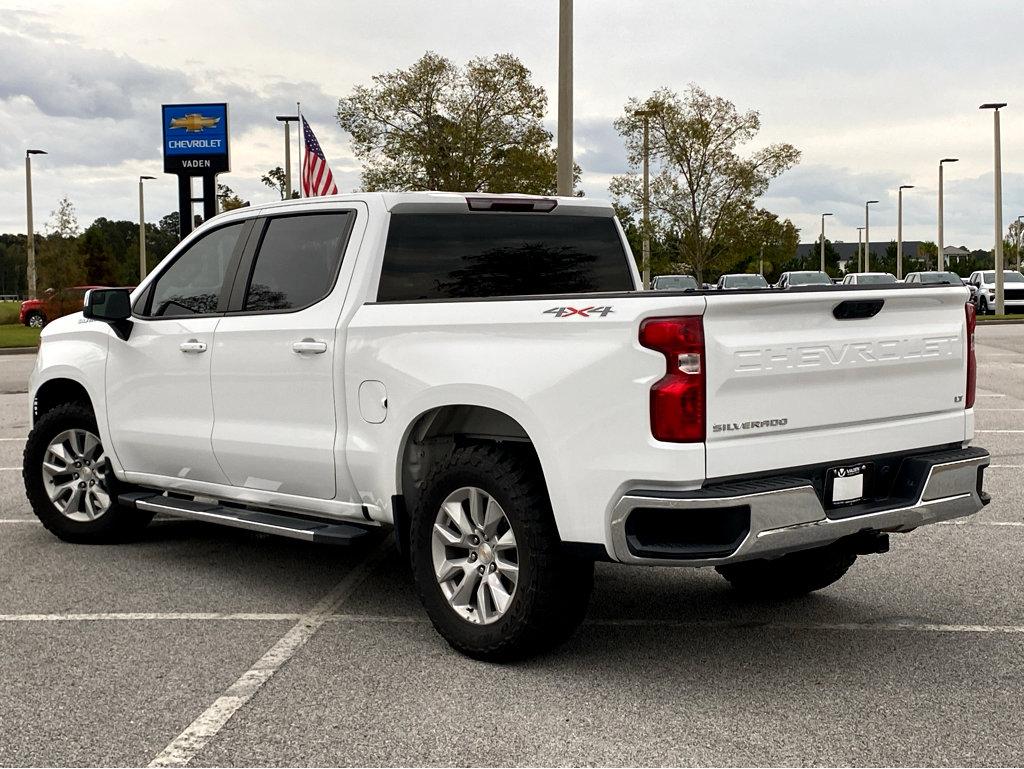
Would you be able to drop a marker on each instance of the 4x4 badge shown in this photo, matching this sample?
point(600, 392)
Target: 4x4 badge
point(586, 312)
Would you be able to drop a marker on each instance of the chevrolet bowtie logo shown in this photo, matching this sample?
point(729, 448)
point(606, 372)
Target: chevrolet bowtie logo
point(194, 123)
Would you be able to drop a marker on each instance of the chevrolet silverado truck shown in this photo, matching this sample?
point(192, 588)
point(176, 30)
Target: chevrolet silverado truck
point(483, 374)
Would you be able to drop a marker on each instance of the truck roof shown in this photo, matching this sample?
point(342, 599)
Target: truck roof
point(410, 202)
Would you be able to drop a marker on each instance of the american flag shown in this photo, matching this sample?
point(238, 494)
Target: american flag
point(317, 178)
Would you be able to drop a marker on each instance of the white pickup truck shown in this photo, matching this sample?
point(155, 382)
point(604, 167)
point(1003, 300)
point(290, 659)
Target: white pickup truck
point(483, 374)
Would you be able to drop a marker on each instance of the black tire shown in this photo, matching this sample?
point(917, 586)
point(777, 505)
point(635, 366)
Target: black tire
point(792, 575)
point(553, 589)
point(116, 524)
point(35, 319)
point(983, 308)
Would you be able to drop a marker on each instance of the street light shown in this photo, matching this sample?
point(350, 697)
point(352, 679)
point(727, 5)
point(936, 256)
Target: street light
point(899, 232)
point(998, 176)
point(287, 119)
point(31, 233)
point(564, 158)
point(860, 249)
point(142, 230)
point(646, 115)
point(823, 241)
point(867, 237)
point(942, 254)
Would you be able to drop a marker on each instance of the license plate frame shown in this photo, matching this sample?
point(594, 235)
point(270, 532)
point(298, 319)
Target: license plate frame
point(845, 485)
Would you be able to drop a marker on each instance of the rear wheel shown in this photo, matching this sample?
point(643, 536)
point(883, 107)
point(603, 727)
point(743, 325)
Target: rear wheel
point(69, 482)
point(488, 563)
point(791, 575)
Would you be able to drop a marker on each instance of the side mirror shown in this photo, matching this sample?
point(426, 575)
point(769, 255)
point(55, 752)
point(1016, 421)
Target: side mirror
point(112, 306)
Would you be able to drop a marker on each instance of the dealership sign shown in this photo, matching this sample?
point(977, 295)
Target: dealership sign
point(195, 138)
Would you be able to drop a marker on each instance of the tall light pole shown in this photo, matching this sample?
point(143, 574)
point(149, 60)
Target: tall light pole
point(867, 237)
point(941, 262)
point(860, 249)
point(564, 182)
point(899, 231)
point(823, 241)
point(142, 229)
point(646, 115)
point(998, 176)
point(31, 274)
point(288, 120)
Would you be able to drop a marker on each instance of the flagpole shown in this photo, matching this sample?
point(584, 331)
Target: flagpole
point(302, 147)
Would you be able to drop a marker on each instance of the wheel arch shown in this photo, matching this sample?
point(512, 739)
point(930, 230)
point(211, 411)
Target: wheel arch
point(436, 431)
point(57, 391)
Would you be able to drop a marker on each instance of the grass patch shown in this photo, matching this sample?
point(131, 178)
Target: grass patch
point(1013, 316)
point(14, 335)
point(9, 312)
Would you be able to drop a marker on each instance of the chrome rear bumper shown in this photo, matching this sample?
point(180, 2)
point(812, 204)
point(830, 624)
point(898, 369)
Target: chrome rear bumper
point(786, 513)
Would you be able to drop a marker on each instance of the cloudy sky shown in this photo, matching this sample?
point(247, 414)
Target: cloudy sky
point(873, 93)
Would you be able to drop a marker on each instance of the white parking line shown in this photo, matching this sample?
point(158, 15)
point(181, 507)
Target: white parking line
point(980, 523)
point(186, 745)
point(14, 439)
point(19, 520)
point(151, 617)
point(990, 395)
point(934, 627)
point(9, 468)
point(1000, 432)
point(1005, 467)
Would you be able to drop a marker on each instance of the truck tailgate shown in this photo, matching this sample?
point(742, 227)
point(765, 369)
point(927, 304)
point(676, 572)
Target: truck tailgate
point(790, 382)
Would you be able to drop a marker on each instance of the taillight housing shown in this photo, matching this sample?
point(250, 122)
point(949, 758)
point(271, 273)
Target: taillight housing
point(678, 400)
point(972, 361)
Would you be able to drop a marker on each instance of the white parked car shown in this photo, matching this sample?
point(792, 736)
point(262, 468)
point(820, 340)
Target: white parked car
point(984, 282)
point(803, 278)
point(741, 280)
point(674, 283)
point(869, 279)
point(484, 375)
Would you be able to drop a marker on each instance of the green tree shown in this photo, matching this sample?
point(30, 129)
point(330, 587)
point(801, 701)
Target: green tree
point(702, 188)
point(228, 200)
point(438, 126)
point(1012, 254)
point(96, 258)
point(928, 255)
point(58, 262)
point(275, 179)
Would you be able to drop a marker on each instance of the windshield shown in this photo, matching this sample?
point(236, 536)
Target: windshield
point(876, 279)
point(674, 283)
point(940, 277)
point(809, 279)
point(745, 281)
point(1009, 276)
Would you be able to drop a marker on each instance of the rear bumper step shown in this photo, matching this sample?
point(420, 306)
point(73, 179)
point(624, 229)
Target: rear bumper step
point(767, 517)
point(291, 526)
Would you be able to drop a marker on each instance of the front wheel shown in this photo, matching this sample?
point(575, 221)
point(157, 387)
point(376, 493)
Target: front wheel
point(791, 575)
point(35, 320)
point(983, 307)
point(489, 566)
point(69, 483)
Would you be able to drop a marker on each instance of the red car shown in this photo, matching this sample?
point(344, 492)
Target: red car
point(53, 304)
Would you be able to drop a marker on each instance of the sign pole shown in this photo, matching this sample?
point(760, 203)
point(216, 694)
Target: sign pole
point(302, 146)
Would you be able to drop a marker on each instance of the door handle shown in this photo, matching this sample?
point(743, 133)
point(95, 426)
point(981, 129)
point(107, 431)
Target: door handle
point(193, 346)
point(309, 346)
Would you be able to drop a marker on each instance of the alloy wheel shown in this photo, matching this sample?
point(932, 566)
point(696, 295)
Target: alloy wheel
point(475, 555)
point(75, 475)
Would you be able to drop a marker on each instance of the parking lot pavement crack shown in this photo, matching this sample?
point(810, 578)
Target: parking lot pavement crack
point(205, 727)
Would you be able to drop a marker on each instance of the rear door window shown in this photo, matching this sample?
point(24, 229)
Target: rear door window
point(297, 261)
point(481, 255)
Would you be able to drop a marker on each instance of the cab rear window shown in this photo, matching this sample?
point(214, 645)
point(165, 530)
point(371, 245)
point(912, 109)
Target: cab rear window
point(483, 255)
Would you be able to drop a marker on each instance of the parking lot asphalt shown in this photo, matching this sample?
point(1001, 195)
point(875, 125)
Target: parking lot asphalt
point(218, 646)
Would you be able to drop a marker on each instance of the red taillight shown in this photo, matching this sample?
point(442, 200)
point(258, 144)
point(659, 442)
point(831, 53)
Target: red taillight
point(972, 362)
point(677, 399)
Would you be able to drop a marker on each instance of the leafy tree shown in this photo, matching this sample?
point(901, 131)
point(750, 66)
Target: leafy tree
point(1015, 243)
point(229, 201)
point(928, 255)
point(702, 188)
point(59, 263)
point(96, 258)
point(275, 179)
point(438, 126)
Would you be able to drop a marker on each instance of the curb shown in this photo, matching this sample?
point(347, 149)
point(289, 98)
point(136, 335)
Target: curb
point(18, 350)
point(1010, 322)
